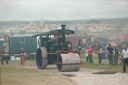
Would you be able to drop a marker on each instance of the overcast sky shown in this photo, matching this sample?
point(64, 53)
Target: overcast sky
point(62, 9)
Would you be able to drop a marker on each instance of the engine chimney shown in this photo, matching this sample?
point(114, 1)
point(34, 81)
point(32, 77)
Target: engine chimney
point(63, 34)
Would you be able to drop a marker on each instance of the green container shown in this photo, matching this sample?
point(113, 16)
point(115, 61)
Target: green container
point(29, 44)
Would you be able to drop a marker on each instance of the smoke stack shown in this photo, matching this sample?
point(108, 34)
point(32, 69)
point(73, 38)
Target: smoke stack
point(63, 34)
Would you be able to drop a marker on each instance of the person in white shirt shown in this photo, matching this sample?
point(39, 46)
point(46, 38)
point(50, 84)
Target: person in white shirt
point(124, 55)
point(86, 54)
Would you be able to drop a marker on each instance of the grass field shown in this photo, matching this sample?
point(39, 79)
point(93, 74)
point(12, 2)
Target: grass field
point(11, 75)
point(115, 68)
point(104, 66)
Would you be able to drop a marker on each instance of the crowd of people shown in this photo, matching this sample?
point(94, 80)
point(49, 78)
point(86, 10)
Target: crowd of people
point(111, 51)
point(112, 54)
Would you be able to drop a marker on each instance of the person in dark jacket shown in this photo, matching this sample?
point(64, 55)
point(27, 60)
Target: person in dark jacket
point(3, 57)
point(115, 55)
point(110, 52)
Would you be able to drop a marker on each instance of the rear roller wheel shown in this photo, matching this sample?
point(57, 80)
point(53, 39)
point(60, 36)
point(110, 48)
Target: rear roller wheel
point(41, 58)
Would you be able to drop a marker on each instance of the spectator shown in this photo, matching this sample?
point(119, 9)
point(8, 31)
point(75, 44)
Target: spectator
point(124, 55)
point(110, 52)
point(86, 54)
point(3, 57)
point(104, 49)
point(100, 54)
point(115, 55)
point(90, 51)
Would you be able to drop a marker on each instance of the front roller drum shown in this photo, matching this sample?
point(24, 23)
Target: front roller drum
point(41, 58)
point(69, 62)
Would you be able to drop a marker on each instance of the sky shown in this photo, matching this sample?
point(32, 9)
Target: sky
point(62, 9)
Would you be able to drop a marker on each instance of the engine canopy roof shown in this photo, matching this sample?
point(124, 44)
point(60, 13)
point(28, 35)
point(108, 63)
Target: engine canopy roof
point(55, 33)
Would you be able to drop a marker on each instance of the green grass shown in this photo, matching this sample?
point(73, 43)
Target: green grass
point(18, 75)
point(115, 68)
point(17, 63)
point(104, 66)
point(13, 74)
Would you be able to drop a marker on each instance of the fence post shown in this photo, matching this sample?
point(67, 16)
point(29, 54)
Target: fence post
point(22, 57)
point(0, 75)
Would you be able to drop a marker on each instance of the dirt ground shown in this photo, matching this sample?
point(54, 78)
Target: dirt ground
point(87, 76)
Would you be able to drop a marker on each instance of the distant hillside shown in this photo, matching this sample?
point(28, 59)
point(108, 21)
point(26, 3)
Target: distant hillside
point(90, 21)
point(6, 24)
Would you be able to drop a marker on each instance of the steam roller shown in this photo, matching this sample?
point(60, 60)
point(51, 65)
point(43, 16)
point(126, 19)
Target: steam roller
point(54, 49)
